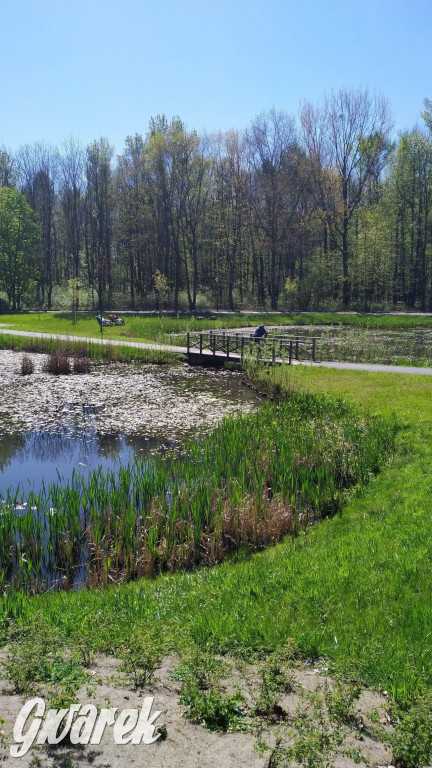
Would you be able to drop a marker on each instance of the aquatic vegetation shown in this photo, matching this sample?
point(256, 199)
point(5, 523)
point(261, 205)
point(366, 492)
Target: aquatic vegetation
point(104, 416)
point(27, 365)
point(253, 480)
point(58, 363)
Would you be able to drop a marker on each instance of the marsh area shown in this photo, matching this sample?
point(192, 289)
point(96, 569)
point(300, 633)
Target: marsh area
point(365, 345)
point(51, 425)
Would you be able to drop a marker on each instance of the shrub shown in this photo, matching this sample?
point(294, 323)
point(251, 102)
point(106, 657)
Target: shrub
point(140, 656)
point(57, 363)
point(81, 365)
point(27, 365)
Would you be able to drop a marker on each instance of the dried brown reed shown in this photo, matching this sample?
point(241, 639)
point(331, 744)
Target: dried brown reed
point(27, 365)
point(57, 363)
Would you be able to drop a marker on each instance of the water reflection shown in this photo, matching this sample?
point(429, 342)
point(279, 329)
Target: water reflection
point(52, 456)
point(9, 445)
point(51, 426)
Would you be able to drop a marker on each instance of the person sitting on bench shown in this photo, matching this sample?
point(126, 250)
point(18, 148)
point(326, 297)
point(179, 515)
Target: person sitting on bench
point(116, 320)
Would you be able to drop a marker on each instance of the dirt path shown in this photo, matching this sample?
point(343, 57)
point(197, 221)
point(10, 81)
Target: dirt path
point(187, 744)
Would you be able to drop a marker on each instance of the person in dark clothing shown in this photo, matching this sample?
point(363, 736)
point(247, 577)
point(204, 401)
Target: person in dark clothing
point(259, 333)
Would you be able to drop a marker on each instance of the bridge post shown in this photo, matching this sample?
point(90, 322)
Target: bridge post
point(242, 343)
point(273, 352)
point(228, 346)
point(290, 351)
point(201, 344)
point(313, 348)
point(296, 349)
point(188, 342)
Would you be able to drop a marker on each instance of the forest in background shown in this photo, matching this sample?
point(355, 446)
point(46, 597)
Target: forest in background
point(323, 210)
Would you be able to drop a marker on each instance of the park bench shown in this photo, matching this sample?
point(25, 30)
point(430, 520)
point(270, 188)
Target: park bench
point(103, 321)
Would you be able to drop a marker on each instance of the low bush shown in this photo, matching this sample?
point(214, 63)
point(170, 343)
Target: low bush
point(58, 363)
point(27, 365)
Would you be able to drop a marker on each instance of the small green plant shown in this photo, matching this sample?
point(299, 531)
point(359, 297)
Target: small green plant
point(276, 677)
point(39, 658)
point(162, 731)
point(339, 700)
point(200, 668)
point(2, 739)
point(140, 655)
point(213, 708)
point(203, 696)
point(411, 741)
point(314, 739)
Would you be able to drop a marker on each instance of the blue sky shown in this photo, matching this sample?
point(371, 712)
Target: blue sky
point(91, 68)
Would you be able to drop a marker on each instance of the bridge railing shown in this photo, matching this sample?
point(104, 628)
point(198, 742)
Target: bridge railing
point(234, 345)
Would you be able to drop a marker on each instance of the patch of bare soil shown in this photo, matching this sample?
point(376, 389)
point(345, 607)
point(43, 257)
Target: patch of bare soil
point(188, 744)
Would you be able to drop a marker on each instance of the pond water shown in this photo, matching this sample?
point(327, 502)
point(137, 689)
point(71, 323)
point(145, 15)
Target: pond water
point(363, 345)
point(53, 426)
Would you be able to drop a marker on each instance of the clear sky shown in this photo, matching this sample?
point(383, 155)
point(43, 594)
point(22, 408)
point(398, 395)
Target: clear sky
point(91, 68)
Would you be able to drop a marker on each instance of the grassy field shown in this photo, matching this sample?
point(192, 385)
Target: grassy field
point(155, 329)
point(355, 589)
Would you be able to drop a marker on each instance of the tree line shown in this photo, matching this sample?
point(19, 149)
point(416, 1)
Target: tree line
point(322, 211)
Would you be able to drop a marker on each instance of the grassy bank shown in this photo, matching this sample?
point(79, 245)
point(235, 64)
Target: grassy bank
point(387, 339)
point(255, 479)
point(355, 589)
point(153, 328)
point(86, 349)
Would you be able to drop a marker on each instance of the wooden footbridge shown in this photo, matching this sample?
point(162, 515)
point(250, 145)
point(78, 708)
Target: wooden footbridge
point(217, 347)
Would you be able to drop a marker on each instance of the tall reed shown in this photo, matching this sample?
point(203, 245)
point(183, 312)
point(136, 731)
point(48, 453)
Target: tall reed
point(255, 479)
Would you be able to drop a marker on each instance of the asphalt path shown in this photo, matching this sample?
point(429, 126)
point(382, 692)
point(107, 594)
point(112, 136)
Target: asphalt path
point(371, 367)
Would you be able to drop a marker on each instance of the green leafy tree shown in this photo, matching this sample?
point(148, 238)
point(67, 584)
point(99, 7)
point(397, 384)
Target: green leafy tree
point(410, 196)
point(20, 255)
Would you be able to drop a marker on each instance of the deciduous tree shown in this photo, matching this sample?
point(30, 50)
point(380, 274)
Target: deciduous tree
point(20, 260)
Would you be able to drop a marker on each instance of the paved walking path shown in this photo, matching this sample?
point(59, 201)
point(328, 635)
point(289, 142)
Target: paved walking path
point(371, 367)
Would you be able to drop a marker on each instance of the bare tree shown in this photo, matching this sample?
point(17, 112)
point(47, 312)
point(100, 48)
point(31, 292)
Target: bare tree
point(347, 139)
point(99, 217)
point(229, 214)
point(38, 172)
point(276, 185)
point(71, 193)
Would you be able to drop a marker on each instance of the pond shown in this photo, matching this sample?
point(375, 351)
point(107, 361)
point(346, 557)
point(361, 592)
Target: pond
point(364, 345)
point(54, 426)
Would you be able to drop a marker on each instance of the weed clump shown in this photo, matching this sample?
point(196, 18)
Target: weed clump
point(81, 364)
point(411, 740)
point(57, 363)
point(27, 365)
point(40, 661)
point(140, 655)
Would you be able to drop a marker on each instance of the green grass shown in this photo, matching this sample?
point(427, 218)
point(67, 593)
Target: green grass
point(88, 349)
point(155, 329)
point(356, 589)
point(255, 479)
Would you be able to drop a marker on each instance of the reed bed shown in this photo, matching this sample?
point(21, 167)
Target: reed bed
point(254, 480)
point(88, 350)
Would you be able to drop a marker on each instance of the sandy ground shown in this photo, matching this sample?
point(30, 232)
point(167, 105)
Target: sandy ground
point(187, 745)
